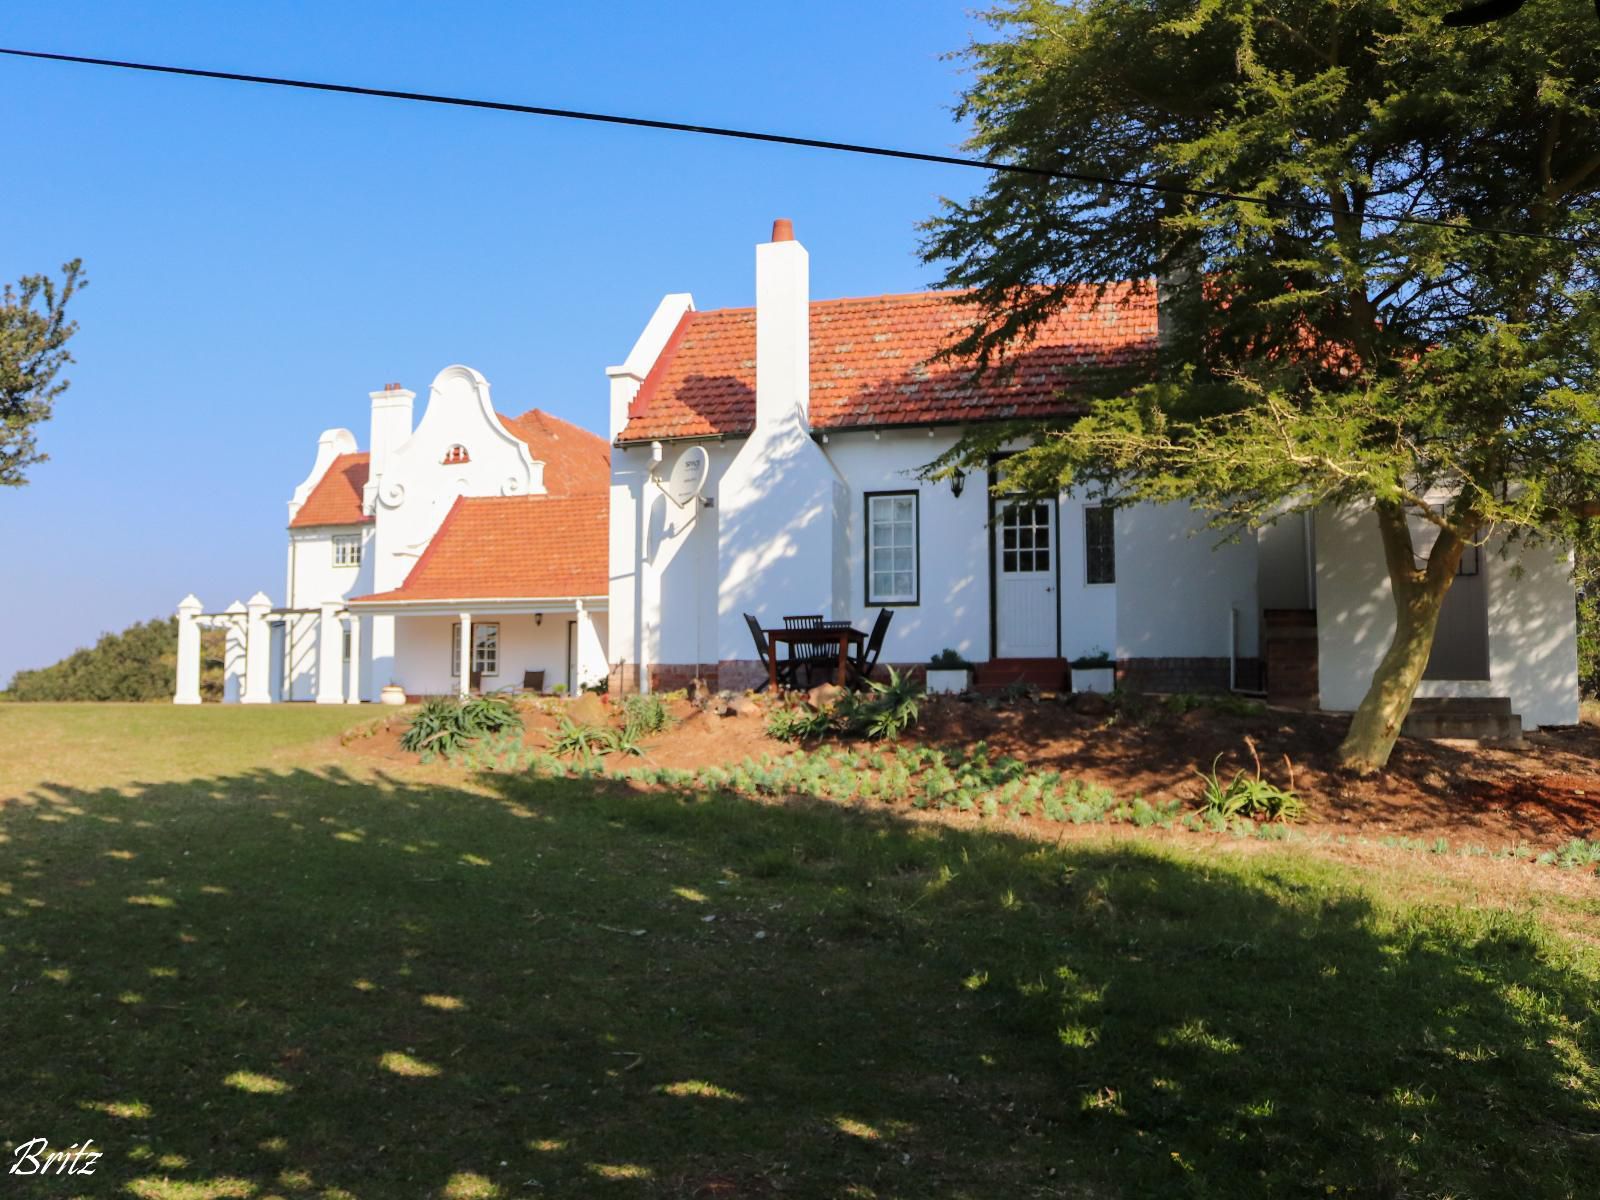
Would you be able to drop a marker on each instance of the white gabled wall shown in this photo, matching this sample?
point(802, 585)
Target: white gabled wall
point(1533, 656)
point(330, 446)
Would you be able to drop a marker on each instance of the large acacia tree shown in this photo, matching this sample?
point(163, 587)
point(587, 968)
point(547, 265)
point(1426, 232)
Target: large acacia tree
point(1315, 350)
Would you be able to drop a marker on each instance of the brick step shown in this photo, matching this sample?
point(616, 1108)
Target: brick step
point(1465, 725)
point(1489, 705)
point(1046, 674)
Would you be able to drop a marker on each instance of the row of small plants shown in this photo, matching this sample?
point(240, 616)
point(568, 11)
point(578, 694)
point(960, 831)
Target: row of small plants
point(923, 777)
point(886, 711)
point(1573, 855)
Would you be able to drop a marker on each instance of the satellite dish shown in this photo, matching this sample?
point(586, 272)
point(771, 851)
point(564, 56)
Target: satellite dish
point(687, 478)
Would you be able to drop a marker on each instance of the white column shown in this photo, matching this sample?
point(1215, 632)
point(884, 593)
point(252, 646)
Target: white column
point(355, 660)
point(257, 651)
point(466, 654)
point(233, 654)
point(583, 668)
point(330, 653)
point(188, 691)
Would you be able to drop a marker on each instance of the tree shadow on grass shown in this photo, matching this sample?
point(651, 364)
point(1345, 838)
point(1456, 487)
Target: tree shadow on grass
point(308, 984)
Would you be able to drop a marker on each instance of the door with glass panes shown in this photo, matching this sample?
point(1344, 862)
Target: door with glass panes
point(1025, 578)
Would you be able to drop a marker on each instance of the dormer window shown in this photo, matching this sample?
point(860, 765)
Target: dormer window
point(456, 454)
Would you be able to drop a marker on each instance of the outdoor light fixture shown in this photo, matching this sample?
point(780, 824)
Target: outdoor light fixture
point(957, 482)
point(538, 618)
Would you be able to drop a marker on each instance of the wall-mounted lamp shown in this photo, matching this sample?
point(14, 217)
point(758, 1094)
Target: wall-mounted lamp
point(957, 482)
point(538, 618)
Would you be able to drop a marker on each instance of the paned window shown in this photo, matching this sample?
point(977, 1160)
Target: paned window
point(1025, 537)
point(347, 549)
point(485, 648)
point(892, 567)
point(1100, 544)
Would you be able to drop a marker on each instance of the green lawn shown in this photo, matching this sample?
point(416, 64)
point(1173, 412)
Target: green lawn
point(264, 980)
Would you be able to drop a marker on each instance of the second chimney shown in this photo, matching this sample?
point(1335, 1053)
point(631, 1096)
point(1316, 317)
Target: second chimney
point(783, 329)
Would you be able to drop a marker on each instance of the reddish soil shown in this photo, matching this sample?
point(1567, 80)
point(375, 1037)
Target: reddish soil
point(1542, 793)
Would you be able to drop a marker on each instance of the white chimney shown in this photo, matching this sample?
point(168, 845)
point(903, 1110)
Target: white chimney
point(391, 425)
point(783, 329)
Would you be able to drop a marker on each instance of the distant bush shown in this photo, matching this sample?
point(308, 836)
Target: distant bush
point(140, 663)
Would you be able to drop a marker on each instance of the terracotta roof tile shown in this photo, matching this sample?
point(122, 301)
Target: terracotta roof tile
point(576, 462)
point(336, 500)
point(512, 547)
point(870, 364)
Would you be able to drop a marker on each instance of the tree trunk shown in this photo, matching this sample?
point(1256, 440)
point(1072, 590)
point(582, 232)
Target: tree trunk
point(1418, 596)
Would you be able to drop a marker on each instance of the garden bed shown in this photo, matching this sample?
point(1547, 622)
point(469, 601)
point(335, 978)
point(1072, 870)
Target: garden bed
point(1529, 800)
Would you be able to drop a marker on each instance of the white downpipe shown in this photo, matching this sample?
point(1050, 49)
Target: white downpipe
point(1233, 649)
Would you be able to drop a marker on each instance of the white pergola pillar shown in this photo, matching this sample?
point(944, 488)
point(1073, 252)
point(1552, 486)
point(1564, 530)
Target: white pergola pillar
point(466, 655)
point(330, 653)
point(188, 689)
point(233, 653)
point(354, 696)
point(583, 664)
point(257, 651)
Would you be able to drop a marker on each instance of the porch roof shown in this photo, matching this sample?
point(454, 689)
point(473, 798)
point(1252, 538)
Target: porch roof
point(527, 551)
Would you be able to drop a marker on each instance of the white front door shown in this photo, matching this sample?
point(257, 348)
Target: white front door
point(1025, 579)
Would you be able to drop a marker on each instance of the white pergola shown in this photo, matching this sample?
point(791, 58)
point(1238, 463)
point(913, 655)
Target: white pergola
point(247, 659)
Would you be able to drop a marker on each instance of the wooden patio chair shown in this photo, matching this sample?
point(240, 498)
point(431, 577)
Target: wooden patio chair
point(861, 666)
point(785, 667)
point(808, 656)
point(533, 681)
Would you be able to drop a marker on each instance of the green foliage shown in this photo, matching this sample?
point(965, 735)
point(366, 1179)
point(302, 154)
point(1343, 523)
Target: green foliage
point(949, 660)
point(571, 738)
point(645, 714)
point(448, 725)
point(889, 709)
point(892, 709)
point(140, 663)
point(1315, 351)
point(34, 332)
point(1248, 796)
point(799, 722)
point(1097, 660)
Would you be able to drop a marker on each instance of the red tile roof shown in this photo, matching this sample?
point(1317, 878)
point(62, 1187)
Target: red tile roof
point(870, 364)
point(336, 500)
point(512, 547)
point(576, 461)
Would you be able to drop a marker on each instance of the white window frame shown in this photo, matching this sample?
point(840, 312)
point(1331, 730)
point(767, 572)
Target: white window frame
point(347, 549)
point(899, 597)
point(485, 637)
point(1088, 559)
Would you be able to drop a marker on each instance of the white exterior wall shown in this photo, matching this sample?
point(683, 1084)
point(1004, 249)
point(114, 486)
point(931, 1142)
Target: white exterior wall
point(1533, 649)
point(313, 579)
point(781, 513)
point(663, 601)
point(665, 597)
point(1176, 586)
point(423, 662)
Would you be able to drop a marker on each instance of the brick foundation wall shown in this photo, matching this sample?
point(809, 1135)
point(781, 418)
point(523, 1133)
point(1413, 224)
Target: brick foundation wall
point(1173, 674)
point(1289, 638)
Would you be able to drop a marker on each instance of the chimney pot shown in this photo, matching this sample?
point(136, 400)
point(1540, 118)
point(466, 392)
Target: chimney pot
point(391, 387)
point(783, 230)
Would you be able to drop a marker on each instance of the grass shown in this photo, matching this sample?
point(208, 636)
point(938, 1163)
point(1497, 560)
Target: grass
point(291, 980)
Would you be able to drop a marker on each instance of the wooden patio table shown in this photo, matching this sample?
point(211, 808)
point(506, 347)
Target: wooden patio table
point(814, 635)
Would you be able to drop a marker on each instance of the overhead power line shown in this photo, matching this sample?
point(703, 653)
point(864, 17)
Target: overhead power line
point(781, 139)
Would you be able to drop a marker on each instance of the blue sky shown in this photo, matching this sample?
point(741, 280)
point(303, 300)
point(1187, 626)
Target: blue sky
point(261, 259)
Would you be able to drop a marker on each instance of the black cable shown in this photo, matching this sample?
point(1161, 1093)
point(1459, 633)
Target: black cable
point(781, 139)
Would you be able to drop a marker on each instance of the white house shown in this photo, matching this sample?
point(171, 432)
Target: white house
point(467, 519)
point(815, 416)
